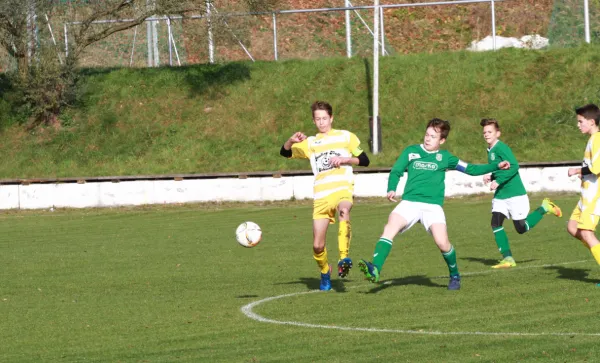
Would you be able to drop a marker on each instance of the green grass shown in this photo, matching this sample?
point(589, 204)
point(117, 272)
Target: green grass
point(234, 117)
point(166, 284)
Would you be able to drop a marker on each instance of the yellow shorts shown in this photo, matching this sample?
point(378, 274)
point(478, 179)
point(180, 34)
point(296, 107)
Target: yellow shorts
point(585, 220)
point(325, 208)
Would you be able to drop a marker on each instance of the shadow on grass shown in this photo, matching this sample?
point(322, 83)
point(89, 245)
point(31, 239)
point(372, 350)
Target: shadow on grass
point(575, 274)
point(312, 283)
point(203, 79)
point(490, 261)
point(420, 280)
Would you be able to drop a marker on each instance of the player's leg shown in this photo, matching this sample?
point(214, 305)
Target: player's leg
point(401, 219)
point(572, 226)
point(434, 221)
point(586, 229)
point(320, 252)
point(344, 237)
point(500, 211)
point(322, 216)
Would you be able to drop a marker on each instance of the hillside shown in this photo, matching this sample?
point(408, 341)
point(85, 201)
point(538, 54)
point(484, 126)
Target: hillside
point(234, 117)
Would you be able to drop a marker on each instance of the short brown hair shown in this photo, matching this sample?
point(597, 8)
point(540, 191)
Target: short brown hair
point(490, 121)
point(321, 105)
point(590, 112)
point(441, 126)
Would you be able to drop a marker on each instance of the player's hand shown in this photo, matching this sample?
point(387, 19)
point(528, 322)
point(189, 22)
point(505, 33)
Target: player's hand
point(504, 165)
point(297, 137)
point(487, 178)
point(493, 186)
point(574, 171)
point(337, 161)
point(391, 195)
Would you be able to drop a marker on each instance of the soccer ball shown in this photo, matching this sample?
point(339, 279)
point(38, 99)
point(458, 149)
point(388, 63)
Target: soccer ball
point(248, 234)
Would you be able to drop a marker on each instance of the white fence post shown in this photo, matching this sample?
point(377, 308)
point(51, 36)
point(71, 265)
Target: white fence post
point(211, 46)
point(586, 16)
point(493, 25)
point(376, 79)
point(276, 56)
point(348, 30)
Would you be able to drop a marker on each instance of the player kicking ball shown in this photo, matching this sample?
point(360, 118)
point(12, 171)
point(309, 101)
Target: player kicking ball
point(423, 198)
point(331, 153)
point(510, 198)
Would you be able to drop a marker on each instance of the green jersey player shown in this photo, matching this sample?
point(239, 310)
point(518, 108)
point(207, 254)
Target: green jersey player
point(423, 197)
point(510, 198)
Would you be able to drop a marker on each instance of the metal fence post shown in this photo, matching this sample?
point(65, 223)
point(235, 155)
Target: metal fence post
point(275, 36)
point(211, 46)
point(348, 30)
point(493, 25)
point(586, 16)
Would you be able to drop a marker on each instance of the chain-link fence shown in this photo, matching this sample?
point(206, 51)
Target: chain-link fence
point(233, 33)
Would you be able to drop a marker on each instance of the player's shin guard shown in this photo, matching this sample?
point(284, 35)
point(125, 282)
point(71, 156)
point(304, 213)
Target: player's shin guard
point(596, 253)
point(344, 237)
point(321, 259)
point(502, 242)
point(535, 217)
point(450, 258)
point(382, 250)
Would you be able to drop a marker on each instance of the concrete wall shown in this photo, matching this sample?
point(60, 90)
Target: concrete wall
point(109, 194)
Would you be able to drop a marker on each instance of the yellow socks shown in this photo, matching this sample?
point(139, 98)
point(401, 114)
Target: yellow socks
point(596, 253)
point(344, 236)
point(321, 259)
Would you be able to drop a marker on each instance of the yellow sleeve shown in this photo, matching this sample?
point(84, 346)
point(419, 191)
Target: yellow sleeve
point(354, 145)
point(300, 150)
point(595, 157)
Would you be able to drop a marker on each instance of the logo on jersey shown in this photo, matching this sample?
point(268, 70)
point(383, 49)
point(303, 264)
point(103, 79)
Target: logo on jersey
point(412, 156)
point(423, 165)
point(324, 160)
point(438, 157)
point(493, 156)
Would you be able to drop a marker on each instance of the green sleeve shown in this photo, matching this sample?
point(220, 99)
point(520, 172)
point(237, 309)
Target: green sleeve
point(455, 163)
point(502, 176)
point(397, 171)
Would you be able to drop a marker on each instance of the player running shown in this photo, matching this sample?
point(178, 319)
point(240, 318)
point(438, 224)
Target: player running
point(510, 198)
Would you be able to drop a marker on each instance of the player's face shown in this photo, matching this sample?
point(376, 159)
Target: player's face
point(322, 120)
point(490, 134)
point(433, 139)
point(585, 125)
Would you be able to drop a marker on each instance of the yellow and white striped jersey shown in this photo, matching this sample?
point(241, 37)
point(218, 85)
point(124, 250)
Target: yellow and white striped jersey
point(590, 185)
point(319, 150)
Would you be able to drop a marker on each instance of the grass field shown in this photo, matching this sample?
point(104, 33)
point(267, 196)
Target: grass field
point(168, 284)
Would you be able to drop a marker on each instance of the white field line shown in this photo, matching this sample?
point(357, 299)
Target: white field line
point(247, 310)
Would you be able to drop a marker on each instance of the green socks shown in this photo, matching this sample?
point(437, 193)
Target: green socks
point(450, 258)
point(502, 241)
point(382, 250)
point(534, 217)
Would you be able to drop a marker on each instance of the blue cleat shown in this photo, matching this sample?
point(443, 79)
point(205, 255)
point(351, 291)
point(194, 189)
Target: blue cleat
point(326, 281)
point(454, 283)
point(344, 266)
point(371, 271)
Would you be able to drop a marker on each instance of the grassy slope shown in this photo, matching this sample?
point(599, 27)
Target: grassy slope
point(234, 117)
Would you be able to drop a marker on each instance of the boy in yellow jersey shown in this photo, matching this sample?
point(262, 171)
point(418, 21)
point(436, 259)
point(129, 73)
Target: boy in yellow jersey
point(586, 215)
point(331, 153)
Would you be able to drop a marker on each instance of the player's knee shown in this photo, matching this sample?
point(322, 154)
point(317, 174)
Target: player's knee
point(572, 229)
point(497, 220)
point(345, 213)
point(521, 226)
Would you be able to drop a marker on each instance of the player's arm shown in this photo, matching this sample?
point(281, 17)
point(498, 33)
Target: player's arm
point(503, 176)
point(295, 147)
point(397, 171)
point(359, 157)
point(455, 163)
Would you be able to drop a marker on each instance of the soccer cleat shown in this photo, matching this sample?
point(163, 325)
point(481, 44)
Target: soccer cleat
point(506, 262)
point(371, 271)
point(454, 283)
point(344, 266)
point(551, 208)
point(326, 281)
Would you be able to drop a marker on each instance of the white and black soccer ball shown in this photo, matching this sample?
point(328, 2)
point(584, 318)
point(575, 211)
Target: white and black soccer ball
point(248, 234)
